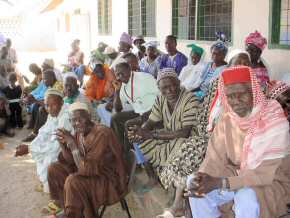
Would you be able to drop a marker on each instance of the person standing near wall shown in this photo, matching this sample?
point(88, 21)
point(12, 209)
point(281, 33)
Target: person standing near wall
point(76, 60)
point(255, 43)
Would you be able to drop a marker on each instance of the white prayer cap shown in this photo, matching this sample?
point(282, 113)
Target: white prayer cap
point(139, 37)
point(153, 44)
point(78, 106)
point(52, 91)
point(109, 50)
point(69, 74)
point(234, 53)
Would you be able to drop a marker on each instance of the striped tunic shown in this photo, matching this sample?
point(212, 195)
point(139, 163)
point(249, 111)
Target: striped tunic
point(192, 152)
point(160, 152)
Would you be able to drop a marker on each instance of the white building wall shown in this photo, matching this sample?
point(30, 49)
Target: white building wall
point(248, 16)
point(163, 18)
point(119, 24)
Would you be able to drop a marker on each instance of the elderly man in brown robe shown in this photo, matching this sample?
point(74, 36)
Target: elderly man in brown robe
point(90, 171)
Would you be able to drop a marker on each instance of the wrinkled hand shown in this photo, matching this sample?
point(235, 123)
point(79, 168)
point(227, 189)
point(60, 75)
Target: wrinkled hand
point(109, 106)
point(117, 85)
point(203, 184)
point(65, 137)
point(137, 134)
point(131, 133)
point(133, 122)
point(21, 150)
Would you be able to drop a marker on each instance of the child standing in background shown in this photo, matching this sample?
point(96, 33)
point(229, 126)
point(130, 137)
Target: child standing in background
point(13, 93)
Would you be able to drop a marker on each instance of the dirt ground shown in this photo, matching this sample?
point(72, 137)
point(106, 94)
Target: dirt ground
point(18, 198)
point(18, 180)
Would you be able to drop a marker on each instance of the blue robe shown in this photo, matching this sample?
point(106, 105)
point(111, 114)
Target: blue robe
point(177, 63)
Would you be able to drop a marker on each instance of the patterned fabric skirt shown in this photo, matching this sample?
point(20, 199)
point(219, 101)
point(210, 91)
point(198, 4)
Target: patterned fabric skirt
point(191, 155)
point(160, 152)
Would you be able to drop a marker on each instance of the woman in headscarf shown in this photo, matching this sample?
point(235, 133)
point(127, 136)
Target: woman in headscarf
point(247, 159)
point(190, 75)
point(255, 43)
point(125, 47)
point(98, 54)
point(76, 60)
point(214, 68)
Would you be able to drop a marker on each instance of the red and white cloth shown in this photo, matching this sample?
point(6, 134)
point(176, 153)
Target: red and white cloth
point(257, 39)
point(267, 127)
point(276, 88)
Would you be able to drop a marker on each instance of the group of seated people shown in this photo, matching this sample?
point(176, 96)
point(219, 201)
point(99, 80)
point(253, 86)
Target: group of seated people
point(215, 133)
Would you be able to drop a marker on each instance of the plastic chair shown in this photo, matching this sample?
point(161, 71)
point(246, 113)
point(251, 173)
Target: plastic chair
point(123, 202)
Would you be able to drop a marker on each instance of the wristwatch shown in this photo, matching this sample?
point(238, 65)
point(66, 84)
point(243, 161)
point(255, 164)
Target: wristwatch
point(225, 186)
point(224, 183)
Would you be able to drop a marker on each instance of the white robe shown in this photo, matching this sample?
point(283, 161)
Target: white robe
point(190, 75)
point(45, 147)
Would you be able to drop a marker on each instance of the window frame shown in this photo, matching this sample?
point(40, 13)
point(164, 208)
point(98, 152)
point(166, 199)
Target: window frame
point(142, 21)
point(209, 42)
point(109, 19)
point(274, 26)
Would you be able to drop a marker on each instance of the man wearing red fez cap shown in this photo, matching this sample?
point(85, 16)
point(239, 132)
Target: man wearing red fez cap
point(247, 159)
point(236, 75)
